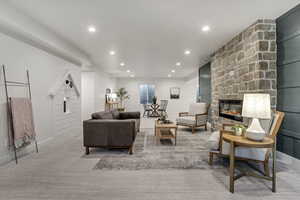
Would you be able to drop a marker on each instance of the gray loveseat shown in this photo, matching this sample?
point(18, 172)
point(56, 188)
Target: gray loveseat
point(111, 129)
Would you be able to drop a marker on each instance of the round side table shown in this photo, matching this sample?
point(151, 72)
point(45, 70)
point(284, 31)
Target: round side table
point(240, 141)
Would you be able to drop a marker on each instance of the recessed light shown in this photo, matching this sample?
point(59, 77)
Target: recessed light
point(128, 71)
point(169, 75)
point(178, 64)
point(92, 29)
point(173, 71)
point(132, 76)
point(187, 52)
point(205, 28)
point(112, 53)
point(122, 64)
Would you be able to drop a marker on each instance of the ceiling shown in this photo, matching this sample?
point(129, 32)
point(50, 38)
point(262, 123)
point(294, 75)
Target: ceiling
point(150, 36)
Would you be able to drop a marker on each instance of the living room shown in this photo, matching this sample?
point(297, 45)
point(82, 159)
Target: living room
point(149, 99)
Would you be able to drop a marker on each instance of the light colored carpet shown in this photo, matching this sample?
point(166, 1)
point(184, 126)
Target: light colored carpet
point(190, 152)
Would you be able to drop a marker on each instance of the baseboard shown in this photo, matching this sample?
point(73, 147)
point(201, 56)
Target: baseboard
point(9, 157)
point(292, 162)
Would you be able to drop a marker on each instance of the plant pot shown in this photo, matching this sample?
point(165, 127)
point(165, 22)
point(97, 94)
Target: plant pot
point(238, 131)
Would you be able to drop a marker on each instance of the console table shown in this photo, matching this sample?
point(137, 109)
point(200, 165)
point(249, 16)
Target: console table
point(240, 141)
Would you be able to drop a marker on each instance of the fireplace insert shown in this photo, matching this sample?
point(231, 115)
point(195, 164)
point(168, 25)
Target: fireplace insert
point(231, 109)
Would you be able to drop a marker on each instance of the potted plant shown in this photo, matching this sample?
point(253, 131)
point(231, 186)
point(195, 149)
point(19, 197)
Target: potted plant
point(122, 95)
point(154, 100)
point(239, 129)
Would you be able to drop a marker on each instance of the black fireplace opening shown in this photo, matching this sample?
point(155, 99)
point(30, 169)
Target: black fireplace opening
point(231, 109)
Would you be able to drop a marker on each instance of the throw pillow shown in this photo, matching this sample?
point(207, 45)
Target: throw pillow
point(116, 114)
point(102, 115)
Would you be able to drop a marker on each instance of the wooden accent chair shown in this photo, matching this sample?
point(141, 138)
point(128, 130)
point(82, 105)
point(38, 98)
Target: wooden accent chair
point(196, 117)
point(163, 107)
point(258, 155)
point(147, 110)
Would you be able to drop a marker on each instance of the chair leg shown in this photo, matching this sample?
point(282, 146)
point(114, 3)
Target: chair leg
point(205, 127)
point(266, 168)
point(211, 158)
point(87, 150)
point(193, 129)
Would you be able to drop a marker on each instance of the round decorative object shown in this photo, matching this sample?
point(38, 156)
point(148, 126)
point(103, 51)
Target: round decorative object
point(257, 136)
point(238, 131)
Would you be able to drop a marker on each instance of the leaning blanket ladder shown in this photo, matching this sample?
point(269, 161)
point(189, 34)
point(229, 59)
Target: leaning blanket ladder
point(8, 84)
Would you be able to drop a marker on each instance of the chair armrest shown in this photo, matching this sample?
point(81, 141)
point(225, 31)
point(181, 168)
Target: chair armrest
point(201, 114)
point(201, 119)
point(130, 115)
point(226, 125)
point(181, 114)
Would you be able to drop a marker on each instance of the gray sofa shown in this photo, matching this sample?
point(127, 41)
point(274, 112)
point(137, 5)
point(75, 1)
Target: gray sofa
point(111, 129)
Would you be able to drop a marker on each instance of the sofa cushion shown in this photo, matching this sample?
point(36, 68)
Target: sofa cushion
point(130, 115)
point(116, 114)
point(245, 152)
point(102, 115)
point(213, 141)
point(189, 120)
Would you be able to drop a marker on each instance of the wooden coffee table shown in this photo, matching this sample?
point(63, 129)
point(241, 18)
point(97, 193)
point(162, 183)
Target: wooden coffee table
point(165, 131)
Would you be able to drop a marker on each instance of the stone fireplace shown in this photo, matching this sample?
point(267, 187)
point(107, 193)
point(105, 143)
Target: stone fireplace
point(246, 64)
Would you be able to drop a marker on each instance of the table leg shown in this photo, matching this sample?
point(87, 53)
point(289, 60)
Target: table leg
point(175, 136)
point(231, 168)
point(274, 168)
point(157, 137)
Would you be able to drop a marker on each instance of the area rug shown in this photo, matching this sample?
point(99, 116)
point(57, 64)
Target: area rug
point(190, 152)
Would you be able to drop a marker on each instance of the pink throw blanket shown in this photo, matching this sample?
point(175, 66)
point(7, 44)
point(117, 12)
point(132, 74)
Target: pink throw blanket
point(22, 118)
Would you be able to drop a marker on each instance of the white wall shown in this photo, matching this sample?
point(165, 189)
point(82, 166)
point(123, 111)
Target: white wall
point(162, 91)
point(21, 26)
point(94, 84)
point(44, 69)
point(87, 94)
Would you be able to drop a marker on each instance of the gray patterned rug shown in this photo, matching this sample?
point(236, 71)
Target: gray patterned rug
point(189, 153)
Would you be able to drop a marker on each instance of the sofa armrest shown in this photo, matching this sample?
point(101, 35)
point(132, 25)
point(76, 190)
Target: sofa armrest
point(108, 132)
point(130, 115)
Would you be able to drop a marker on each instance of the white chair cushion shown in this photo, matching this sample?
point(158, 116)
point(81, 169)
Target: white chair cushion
point(265, 124)
point(197, 108)
point(189, 120)
point(213, 141)
point(243, 152)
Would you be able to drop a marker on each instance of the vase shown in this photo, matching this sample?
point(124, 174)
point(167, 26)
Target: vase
point(238, 131)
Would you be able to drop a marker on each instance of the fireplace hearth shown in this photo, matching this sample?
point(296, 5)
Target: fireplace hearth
point(231, 109)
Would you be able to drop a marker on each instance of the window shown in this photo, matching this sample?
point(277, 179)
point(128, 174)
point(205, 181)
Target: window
point(147, 92)
point(66, 105)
